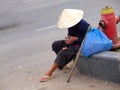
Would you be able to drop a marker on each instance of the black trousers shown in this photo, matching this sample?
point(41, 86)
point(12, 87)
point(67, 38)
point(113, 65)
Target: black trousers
point(64, 57)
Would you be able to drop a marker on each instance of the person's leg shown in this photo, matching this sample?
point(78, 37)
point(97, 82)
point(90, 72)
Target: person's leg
point(58, 45)
point(49, 73)
point(52, 69)
point(64, 57)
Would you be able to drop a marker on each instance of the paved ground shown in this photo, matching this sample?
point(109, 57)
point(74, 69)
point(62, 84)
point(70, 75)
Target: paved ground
point(24, 73)
point(27, 29)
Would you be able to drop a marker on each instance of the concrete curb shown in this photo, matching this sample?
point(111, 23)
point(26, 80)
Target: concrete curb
point(104, 66)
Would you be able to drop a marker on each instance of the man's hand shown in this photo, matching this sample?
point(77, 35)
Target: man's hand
point(70, 39)
point(64, 48)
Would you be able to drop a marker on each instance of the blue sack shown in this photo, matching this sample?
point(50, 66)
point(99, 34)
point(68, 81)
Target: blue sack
point(96, 41)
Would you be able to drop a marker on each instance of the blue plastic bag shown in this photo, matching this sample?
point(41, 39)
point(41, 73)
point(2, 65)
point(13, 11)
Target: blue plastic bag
point(96, 41)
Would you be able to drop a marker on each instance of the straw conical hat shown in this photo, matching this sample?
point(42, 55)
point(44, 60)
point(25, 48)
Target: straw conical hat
point(69, 18)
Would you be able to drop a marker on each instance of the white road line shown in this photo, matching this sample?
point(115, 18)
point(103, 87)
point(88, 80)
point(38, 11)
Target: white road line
point(27, 1)
point(46, 28)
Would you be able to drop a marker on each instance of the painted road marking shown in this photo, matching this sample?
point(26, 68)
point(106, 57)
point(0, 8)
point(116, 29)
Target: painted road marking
point(27, 1)
point(46, 28)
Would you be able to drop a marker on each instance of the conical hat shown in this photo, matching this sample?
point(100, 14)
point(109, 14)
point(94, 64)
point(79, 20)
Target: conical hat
point(69, 18)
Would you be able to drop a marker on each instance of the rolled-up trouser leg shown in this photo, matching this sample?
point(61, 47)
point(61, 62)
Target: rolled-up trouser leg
point(58, 45)
point(64, 57)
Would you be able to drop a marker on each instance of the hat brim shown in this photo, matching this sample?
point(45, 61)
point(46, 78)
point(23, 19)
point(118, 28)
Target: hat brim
point(69, 18)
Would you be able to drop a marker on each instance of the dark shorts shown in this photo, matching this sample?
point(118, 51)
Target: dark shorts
point(64, 57)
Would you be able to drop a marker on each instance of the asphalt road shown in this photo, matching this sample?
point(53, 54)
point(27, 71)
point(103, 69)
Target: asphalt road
point(27, 30)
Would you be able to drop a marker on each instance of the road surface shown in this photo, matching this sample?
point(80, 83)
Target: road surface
point(27, 30)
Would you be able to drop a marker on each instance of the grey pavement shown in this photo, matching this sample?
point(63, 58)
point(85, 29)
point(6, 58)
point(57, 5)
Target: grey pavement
point(27, 30)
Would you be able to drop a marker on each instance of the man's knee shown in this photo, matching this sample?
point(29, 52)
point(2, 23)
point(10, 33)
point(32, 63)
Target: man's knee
point(54, 45)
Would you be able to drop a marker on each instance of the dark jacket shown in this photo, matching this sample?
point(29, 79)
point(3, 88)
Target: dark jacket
point(79, 30)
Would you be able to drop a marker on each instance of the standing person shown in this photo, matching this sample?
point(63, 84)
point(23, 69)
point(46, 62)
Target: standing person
point(66, 49)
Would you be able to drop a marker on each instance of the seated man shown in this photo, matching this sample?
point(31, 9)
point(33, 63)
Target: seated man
point(66, 49)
